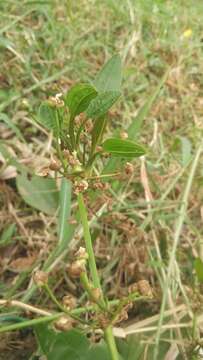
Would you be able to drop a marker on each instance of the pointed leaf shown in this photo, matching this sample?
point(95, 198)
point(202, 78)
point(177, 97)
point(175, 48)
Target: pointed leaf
point(79, 97)
point(110, 76)
point(38, 192)
point(102, 103)
point(47, 116)
point(98, 130)
point(123, 148)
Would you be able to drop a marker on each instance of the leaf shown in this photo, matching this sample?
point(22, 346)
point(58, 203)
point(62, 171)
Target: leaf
point(6, 236)
point(102, 103)
point(47, 116)
point(123, 148)
point(110, 76)
point(98, 130)
point(198, 264)
point(135, 126)
point(79, 97)
point(38, 192)
point(64, 210)
point(12, 126)
point(137, 122)
point(99, 352)
point(69, 345)
point(131, 348)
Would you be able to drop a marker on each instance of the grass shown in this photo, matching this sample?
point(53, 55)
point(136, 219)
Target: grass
point(47, 46)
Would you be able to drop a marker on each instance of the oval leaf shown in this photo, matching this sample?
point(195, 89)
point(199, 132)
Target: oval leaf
point(123, 148)
point(110, 76)
point(102, 103)
point(38, 192)
point(47, 116)
point(79, 97)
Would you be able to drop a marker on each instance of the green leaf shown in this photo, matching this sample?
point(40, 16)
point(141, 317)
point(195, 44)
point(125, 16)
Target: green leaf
point(98, 130)
point(198, 264)
point(38, 192)
point(47, 116)
point(102, 103)
point(69, 345)
point(110, 76)
point(131, 348)
point(6, 236)
point(123, 148)
point(64, 211)
point(99, 352)
point(136, 124)
point(12, 126)
point(79, 97)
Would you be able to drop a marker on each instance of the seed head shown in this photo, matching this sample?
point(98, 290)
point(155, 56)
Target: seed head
point(129, 168)
point(89, 126)
point(123, 134)
point(55, 165)
point(80, 186)
point(144, 288)
point(40, 278)
point(64, 323)
point(81, 254)
point(76, 268)
point(69, 302)
point(55, 101)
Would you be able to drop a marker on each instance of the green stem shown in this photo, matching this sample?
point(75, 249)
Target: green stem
point(61, 307)
point(86, 284)
point(88, 242)
point(30, 323)
point(108, 333)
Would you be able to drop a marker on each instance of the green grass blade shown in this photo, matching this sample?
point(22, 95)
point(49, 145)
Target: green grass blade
point(136, 124)
point(12, 126)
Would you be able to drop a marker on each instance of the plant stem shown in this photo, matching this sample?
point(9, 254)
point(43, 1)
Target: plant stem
point(108, 332)
point(88, 242)
point(61, 307)
point(30, 323)
point(85, 282)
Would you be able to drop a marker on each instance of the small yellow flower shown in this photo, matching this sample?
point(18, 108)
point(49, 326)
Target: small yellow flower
point(187, 33)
